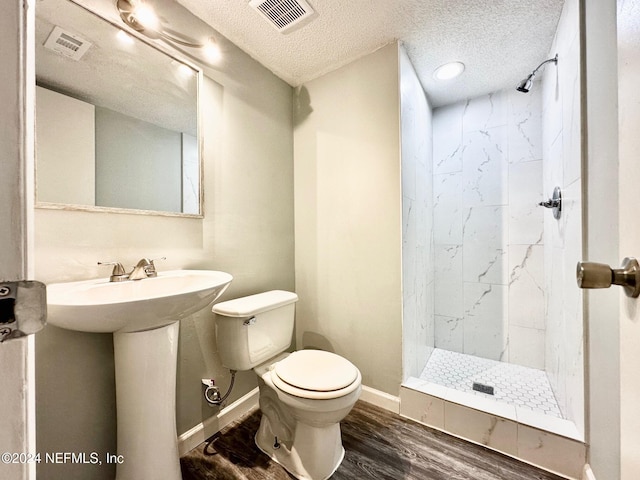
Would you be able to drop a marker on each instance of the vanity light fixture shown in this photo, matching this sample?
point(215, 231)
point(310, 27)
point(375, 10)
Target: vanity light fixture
point(140, 16)
point(448, 71)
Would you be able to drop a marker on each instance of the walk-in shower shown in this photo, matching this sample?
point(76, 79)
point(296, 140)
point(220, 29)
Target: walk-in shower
point(490, 304)
point(504, 321)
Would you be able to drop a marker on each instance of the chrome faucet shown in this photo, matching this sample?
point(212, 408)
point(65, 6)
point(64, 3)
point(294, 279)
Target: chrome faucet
point(142, 269)
point(145, 268)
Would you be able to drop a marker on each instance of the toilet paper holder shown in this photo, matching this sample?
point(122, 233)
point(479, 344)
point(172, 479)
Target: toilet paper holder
point(601, 275)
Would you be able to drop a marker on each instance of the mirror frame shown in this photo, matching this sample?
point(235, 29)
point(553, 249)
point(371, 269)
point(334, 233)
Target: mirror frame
point(175, 55)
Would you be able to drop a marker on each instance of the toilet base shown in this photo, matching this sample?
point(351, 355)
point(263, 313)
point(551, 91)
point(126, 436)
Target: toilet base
point(314, 453)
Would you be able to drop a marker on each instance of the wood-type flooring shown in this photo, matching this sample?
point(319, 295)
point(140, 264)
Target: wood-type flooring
point(379, 445)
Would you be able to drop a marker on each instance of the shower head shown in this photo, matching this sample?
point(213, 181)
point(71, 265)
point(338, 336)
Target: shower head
point(525, 85)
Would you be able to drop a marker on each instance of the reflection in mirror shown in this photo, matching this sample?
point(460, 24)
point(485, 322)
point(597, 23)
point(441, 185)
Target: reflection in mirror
point(116, 119)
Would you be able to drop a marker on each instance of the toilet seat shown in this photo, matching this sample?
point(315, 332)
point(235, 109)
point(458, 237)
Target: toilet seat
point(316, 374)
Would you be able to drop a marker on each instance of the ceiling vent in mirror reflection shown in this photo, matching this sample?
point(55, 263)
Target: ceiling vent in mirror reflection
point(67, 44)
point(283, 15)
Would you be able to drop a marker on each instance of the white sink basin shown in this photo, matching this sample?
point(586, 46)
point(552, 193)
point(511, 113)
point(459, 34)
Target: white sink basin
point(133, 306)
point(144, 318)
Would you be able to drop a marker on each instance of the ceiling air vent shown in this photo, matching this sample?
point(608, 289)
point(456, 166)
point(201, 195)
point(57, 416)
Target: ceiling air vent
point(284, 15)
point(67, 44)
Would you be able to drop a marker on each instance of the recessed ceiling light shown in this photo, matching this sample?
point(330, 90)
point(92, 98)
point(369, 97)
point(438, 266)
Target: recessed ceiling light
point(448, 71)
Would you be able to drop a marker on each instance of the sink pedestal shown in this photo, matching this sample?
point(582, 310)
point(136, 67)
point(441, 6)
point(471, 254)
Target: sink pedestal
point(145, 364)
point(143, 317)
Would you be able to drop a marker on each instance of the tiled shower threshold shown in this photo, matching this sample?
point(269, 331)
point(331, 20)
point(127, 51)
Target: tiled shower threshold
point(522, 395)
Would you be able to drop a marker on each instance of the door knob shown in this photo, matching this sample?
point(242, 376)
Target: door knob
point(600, 275)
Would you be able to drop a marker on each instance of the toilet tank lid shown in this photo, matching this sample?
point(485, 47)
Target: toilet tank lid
point(254, 304)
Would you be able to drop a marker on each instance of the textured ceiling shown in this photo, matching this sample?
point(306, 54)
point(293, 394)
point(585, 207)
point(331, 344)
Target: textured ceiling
point(499, 41)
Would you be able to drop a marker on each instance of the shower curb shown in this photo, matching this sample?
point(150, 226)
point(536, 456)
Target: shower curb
point(550, 451)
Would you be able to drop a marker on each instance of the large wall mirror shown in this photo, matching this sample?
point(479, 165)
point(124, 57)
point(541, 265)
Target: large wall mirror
point(116, 118)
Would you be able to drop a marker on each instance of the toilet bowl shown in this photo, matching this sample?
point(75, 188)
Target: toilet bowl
point(302, 411)
point(304, 395)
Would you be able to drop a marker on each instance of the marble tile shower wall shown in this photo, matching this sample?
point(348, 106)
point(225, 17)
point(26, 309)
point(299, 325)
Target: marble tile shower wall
point(561, 138)
point(417, 232)
point(488, 229)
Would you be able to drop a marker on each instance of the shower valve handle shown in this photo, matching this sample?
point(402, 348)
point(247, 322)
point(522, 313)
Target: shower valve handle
point(600, 275)
point(555, 203)
point(551, 203)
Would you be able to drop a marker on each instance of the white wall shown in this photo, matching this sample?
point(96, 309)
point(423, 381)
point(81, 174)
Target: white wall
point(489, 298)
point(417, 221)
point(562, 128)
point(247, 231)
point(348, 216)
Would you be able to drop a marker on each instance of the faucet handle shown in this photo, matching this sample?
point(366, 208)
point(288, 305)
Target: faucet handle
point(151, 268)
point(118, 274)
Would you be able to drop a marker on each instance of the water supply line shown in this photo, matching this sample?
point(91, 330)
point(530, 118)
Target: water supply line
point(212, 392)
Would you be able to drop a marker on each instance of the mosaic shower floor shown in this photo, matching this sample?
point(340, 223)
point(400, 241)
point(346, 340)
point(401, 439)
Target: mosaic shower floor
point(513, 384)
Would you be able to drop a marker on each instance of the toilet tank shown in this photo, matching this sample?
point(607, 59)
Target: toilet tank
point(251, 330)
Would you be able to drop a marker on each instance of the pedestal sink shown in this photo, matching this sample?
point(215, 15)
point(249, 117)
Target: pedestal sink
point(143, 316)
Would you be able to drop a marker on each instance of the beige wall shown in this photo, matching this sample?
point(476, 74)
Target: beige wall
point(247, 231)
point(348, 216)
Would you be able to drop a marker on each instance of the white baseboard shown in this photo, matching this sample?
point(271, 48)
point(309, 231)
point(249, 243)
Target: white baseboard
point(588, 474)
point(198, 434)
point(380, 399)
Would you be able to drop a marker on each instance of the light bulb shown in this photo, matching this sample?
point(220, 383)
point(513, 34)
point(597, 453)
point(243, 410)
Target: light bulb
point(146, 16)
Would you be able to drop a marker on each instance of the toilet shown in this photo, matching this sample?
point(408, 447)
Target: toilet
point(304, 395)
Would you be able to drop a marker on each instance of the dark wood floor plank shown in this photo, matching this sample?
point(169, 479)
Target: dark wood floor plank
point(379, 446)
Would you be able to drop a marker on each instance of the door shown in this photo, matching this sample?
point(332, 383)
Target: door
point(16, 210)
point(612, 125)
point(628, 42)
